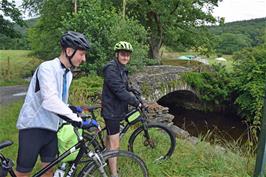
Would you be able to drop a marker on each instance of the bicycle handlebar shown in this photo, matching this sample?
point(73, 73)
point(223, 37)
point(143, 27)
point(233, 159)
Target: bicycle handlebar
point(138, 96)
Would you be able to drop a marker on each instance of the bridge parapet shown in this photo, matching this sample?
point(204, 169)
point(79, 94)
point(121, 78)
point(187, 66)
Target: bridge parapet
point(158, 81)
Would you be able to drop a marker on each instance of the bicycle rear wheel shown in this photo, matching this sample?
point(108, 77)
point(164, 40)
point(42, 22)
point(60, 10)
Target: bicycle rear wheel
point(157, 143)
point(128, 164)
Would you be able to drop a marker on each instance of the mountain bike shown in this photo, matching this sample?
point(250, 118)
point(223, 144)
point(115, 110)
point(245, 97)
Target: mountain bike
point(149, 140)
point(95, 163)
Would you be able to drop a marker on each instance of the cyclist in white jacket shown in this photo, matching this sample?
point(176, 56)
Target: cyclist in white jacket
point(45, 102)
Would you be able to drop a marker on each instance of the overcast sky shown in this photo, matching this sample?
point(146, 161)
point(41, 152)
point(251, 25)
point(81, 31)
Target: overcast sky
point(234, 10)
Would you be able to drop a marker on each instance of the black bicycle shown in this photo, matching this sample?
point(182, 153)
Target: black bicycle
point(150, 140)
point(87, 162)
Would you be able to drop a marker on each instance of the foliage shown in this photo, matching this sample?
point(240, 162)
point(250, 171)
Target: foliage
point(7, 43)
point(44, 37)
point(17, 43)
point(9, 11)
point(249, 82)
point(245, 85)
point(171, 22)
point(10, 19)
point(86, 90)
point(213, 86)
point(33, 6)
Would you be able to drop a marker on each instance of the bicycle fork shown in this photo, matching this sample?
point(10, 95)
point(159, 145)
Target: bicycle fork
point(98, 159)
point(150, 141)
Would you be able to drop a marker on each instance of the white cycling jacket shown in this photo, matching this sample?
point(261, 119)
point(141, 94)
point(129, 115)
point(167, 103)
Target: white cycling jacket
point(42, 104)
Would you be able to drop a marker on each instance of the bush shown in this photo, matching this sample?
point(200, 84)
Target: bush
point(249, 82)
point(213, 86)
point(86, 90)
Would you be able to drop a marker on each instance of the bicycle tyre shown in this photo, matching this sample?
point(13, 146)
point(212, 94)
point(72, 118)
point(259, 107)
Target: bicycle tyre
point(123, 157)
point(160, 146)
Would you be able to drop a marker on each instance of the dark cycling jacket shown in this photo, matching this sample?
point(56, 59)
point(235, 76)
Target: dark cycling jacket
point(115, 95)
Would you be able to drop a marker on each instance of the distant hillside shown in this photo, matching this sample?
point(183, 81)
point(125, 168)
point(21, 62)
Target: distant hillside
point(20, 43)
point(240, 26)
point(233, 36)
point(29, 23)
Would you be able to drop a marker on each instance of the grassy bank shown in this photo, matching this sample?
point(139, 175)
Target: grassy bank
point(15, 66)
point(200, 160)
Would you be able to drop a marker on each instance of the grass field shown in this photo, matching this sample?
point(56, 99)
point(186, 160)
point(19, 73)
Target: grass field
point(171, 58)
point(15, 66)
point(188, 160)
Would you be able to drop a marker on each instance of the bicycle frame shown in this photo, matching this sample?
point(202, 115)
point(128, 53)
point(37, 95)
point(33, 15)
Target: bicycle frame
point(81, 146)
point(142, 118)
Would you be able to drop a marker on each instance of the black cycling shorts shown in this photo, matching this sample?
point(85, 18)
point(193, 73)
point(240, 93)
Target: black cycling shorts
point(34, 142)
point(112, 126)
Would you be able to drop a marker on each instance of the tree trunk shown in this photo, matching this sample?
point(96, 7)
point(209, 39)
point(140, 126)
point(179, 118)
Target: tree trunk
point(156, 38)
point(154, 51)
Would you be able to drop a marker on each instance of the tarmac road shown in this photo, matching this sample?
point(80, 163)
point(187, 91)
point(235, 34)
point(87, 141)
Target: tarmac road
point(9, 94)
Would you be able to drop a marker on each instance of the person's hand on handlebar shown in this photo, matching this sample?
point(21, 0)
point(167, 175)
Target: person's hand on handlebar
point(76, 109)
point(142, 106)
point(89, 123)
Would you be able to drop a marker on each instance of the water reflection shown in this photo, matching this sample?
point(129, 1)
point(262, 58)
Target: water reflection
point(224, 125)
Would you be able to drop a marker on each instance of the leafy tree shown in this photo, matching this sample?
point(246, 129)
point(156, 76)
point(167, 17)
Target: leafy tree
point(7, 25)
point(170, 22)
point(33, 6)
point(44, 36)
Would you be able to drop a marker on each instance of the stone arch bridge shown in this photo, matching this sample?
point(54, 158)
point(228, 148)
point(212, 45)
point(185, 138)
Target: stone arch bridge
point(157, 81)
point(160, 82)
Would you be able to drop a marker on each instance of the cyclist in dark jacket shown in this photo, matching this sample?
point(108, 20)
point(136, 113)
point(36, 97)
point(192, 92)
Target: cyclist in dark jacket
point(116, 97)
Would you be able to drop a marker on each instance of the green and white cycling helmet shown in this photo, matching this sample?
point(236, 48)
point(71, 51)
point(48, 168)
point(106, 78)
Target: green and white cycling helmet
point(123, 45)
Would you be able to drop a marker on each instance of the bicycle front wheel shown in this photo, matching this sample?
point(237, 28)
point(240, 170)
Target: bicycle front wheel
point(128, 164)
point(155, 143)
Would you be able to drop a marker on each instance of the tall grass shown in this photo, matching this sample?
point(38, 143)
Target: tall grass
point(188, 160)
point(15, 66)
point(8, 131)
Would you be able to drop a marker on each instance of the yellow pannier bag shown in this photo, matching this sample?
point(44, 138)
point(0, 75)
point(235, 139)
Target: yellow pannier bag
point(66, 139)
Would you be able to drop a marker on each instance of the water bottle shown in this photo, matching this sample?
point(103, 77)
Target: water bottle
point(60, 172)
